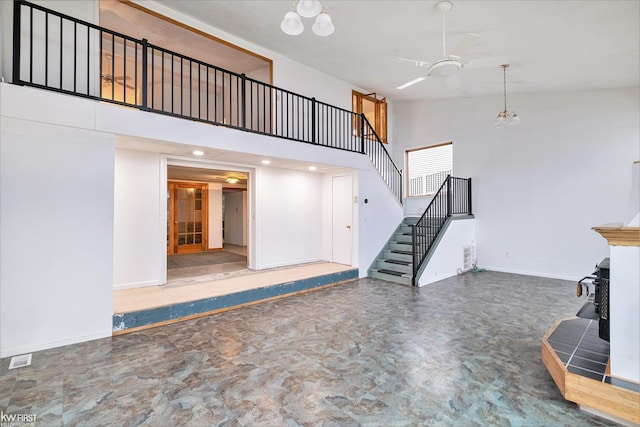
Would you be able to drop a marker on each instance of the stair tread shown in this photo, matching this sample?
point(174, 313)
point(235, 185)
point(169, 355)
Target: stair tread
point(397, 261)
point(397, 251)
point(392, 272)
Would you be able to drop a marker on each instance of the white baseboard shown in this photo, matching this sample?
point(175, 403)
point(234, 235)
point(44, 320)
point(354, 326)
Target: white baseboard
point(533, 273)
point(9, 352)
point(291, 264)
point(136, 285)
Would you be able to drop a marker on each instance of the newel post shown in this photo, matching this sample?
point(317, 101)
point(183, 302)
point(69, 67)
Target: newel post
point(414, 253)
point(469, 195)
point(449, 195)
point(362, 119)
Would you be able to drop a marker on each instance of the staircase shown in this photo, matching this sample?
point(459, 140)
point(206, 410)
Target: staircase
point(395, 261)
point(402, 260)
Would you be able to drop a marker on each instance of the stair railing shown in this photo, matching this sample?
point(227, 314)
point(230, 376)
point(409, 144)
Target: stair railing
point(452, 198)
point(57, 52)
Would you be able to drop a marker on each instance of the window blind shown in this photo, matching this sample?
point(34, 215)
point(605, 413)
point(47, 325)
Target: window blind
point(428, 167)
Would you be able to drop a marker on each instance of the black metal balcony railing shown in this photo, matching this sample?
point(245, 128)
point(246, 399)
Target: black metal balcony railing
point(57, 52)
point(453, 198)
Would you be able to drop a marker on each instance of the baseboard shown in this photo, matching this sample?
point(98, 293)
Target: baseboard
point(9, 352)
point(530, 273)
point(137, 285)
point(296, 263)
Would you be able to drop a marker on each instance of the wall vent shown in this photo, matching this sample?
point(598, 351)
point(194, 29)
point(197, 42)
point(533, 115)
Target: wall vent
point(20, 361)
point(467, 257)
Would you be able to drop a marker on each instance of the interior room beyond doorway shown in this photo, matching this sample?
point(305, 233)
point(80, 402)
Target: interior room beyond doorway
point(206, 224)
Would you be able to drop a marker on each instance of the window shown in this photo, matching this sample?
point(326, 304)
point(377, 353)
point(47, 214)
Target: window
point(374, 109)
point(427, 168)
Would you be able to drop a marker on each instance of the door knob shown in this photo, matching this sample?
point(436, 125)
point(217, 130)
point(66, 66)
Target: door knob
point(348, 226)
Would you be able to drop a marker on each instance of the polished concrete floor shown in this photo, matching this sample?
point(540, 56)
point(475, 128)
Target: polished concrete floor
point(461, 352)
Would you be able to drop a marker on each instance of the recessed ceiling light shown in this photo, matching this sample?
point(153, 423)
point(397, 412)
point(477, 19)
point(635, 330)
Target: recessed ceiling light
point(198, 153)
point(232, 180)
point(312, 168)
point(266, 162)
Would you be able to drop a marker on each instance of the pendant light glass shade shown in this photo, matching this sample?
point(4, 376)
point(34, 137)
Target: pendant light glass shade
point(291, 24)
point(309, 8)
point(323, 25)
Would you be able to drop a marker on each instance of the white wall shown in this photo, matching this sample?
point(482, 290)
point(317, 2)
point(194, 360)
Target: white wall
point(140, 237)
point(624, 295)
point(288, 216)
point(539, 187)
point(449, 254)
point(377, 218)
point(624, 302)
point(415, 206)
point(215, 215)
point(56, 228)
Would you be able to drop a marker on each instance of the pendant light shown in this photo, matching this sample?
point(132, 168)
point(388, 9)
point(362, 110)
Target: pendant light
point(292, 22)
point(506, 117)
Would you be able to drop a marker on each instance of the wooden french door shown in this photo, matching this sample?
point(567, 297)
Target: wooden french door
point(374, 109)
point(187, 217)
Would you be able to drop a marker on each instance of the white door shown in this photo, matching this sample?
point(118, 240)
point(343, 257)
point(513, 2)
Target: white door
point(342, 220)
point(234, 218)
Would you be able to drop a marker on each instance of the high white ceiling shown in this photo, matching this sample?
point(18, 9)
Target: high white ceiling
point(553, 45)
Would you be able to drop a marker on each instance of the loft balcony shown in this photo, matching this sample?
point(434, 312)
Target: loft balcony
point(60, 53)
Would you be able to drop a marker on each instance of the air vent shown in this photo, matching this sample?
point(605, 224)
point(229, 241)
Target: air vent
point(467, 258)
point(20, 361)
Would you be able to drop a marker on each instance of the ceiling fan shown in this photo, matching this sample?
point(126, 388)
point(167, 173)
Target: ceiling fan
point(449, 65)
point(109, 78)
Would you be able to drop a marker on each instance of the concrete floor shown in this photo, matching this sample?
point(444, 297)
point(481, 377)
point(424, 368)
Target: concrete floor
point(461, 352)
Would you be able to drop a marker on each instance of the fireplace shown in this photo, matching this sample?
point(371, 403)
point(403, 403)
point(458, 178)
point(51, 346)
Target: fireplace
point(597, 306)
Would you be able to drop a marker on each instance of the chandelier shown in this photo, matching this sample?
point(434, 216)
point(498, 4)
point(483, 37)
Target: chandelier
point(506, 117)
point(292, 24)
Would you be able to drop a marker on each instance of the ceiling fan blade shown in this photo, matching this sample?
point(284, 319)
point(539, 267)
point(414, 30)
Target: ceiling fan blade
point(487, 62)
point(411, 83)
point(469, 40)
point(453, 82)
point(415, 62)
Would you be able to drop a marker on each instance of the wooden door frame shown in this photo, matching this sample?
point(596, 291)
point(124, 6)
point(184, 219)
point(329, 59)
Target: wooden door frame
point(172, 186)
point(380, 123)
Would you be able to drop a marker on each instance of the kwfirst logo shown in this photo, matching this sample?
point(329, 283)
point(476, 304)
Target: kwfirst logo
point(17, 420)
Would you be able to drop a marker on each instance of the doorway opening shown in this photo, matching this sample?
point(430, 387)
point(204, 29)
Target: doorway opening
point(204, 222)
